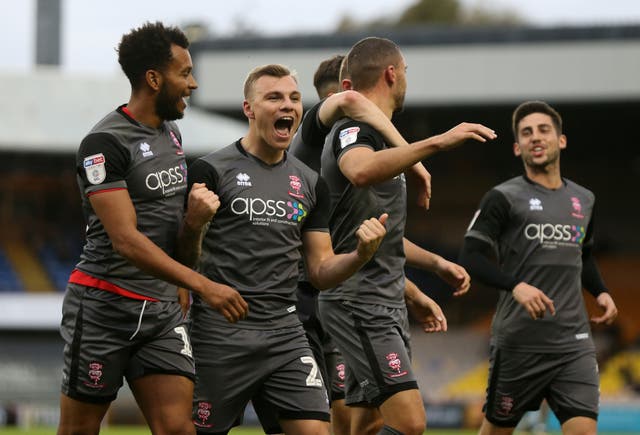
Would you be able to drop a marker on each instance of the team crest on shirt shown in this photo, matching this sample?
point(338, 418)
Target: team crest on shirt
point(348, 136)
point(577, 208)
point(95, 374)
point(295, 186)
point(94, 168)
point(175, 140)
point(203, 413)
point(535, 204)
point(395, 364)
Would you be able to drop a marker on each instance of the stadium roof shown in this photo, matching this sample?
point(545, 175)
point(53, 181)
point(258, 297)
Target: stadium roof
point(50, 111)
point(447, 66)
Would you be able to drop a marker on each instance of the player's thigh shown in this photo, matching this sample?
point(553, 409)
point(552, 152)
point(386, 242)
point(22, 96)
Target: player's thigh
point(165, 401)
point(80, 417)
point(305, 427)
point(295, 389)
point(517, 383)
point(336, 374)
point(575, 390)
point(580, 426)
point(229, 370)
point(97, 345)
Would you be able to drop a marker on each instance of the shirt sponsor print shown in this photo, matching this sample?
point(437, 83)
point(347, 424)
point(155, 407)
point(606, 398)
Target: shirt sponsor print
point(94, 168)
point(551, 235)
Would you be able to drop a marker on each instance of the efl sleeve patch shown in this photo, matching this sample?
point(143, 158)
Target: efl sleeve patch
point(348, 136)
point(94, 168)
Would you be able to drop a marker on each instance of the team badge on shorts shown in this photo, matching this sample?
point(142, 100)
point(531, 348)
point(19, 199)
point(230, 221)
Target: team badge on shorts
point(203, 413)
point(95, 374)
point(395, 364)
point(95, 169)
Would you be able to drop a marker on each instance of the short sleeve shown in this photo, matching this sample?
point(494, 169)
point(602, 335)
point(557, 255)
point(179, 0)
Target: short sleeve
point(102, 163)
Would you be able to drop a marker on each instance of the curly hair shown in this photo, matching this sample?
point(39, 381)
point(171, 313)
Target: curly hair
point(148, 47)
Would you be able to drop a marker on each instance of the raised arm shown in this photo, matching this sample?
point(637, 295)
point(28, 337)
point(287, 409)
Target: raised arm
point(364, 167)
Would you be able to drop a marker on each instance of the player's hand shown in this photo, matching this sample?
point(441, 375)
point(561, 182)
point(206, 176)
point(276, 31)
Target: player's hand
point(605, 301)
point(370, 235)
point(423, 180)
point(454, 275)
point(427, 312)
point(202, 205)
point(184, 299)
point(533, 300)
point(464, 132)
point(226, 300)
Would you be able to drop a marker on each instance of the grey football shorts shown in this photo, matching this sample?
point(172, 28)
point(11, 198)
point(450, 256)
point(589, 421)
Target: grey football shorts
point(108, 337)
point(273, 368)
point(519, 381)
point(375, 343)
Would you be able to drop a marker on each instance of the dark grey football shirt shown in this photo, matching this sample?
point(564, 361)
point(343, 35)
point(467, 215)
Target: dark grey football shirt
point(381, 280)
point(538, 235)
point(253, 243)
point(120, 153)
point(308, 141)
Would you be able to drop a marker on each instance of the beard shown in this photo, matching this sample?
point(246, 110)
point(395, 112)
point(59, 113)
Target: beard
point(167, 105)
point(399, 103)
point(552, 158)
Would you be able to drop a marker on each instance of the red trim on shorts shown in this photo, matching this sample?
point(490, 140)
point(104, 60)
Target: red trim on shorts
point(79, 277)
point(106, 190)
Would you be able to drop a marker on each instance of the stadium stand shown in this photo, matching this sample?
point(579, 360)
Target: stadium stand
point(9, 281)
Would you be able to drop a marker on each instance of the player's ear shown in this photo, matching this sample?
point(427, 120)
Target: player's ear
point(248, 111)
point(516, 149)
point(153, 79)
point(562, 142)
point(390, 75)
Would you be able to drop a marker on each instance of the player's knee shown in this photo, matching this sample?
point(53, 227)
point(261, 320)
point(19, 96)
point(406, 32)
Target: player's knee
point(183, 427)
point(388, 430)
point(413, 425)
point(78, 429)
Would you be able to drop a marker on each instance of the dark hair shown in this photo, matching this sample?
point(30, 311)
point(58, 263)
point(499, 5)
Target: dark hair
point(327, 77)
point(529, 107)
point(148, 47)
point(367, 58)
point(272, 70)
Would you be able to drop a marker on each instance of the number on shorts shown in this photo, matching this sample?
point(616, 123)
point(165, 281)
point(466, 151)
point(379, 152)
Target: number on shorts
point(186, 350)
point(312, 380)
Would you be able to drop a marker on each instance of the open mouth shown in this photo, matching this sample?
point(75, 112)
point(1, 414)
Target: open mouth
point(284, 125)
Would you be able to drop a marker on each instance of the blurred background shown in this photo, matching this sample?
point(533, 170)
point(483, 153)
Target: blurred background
point(469, 60)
